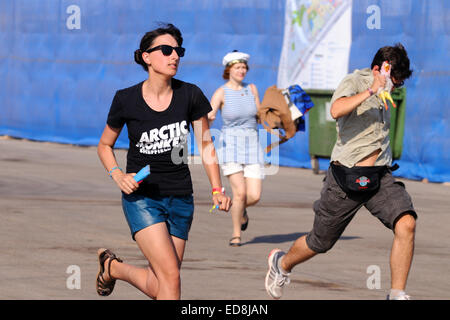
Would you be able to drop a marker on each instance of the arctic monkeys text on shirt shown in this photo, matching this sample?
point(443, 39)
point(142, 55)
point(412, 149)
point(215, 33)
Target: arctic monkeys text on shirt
point(156, 136)
point(164, 139)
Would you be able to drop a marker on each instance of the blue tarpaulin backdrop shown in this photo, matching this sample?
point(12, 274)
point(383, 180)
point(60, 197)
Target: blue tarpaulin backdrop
point(61, 62)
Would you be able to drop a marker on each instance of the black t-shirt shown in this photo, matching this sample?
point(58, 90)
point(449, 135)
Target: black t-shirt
point(159, 138)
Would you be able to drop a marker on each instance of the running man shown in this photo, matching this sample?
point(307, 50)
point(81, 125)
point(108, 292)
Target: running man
point(359, 175)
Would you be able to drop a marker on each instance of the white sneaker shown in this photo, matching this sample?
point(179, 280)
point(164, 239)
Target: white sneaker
point(401, 296)
point(275, 279)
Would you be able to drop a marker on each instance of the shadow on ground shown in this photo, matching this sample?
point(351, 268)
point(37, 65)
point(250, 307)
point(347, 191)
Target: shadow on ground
point(281, 238)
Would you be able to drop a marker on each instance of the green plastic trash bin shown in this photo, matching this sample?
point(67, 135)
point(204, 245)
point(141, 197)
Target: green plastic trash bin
point(322, 127)
point(397, 122)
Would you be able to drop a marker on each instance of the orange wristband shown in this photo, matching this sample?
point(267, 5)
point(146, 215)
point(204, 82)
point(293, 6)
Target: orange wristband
point(218, 190)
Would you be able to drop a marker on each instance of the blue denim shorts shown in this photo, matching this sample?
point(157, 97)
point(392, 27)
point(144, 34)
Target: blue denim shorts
point(176, 211)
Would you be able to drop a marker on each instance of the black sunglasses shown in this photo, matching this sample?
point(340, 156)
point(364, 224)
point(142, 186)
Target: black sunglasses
point(398, 84)
point(167, 50)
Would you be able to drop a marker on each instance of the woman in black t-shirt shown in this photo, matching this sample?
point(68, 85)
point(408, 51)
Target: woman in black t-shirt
point(159, 211)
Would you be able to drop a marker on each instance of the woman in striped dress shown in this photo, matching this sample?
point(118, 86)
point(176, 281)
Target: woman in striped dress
point(239, 151)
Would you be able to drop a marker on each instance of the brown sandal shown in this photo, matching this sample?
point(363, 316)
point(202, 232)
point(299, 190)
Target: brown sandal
point(235, 244)
point(105, 287)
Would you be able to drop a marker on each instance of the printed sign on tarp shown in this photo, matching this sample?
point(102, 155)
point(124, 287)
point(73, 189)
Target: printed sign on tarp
point(316, 44)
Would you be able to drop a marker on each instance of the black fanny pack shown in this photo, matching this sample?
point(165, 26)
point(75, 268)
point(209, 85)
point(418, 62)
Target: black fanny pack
point(359, 179)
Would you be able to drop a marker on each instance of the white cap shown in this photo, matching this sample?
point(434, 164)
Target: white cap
point(234, 57)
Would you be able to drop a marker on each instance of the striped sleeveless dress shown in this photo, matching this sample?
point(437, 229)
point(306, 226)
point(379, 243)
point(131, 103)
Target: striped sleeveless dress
point(239, 140)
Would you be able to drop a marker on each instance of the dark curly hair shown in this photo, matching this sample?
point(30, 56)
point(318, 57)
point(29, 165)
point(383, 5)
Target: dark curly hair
point(397, 57)
point(149, 37)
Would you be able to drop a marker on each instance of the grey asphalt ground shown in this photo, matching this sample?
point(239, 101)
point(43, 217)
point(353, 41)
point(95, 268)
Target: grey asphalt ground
point(58, 206)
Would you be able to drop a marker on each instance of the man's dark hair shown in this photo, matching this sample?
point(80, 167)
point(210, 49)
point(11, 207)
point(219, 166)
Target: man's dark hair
point(149, 37)
point(397, 57)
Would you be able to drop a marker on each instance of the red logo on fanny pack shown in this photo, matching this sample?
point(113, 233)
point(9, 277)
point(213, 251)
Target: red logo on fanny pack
point(363, 181)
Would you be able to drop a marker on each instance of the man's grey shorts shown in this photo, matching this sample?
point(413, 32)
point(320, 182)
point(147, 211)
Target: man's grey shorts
point(335, 209)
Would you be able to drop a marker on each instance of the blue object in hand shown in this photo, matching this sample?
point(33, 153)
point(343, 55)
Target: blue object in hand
point(216, 206)
point(142, 174)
